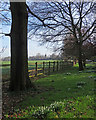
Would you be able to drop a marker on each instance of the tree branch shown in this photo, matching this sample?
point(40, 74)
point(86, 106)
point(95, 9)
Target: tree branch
point(6, 34)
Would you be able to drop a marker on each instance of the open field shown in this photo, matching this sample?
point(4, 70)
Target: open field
point(66, 94)
point(33, 61)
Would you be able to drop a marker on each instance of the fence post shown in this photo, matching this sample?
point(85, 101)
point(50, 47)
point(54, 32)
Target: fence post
point(43, 67)
point(57, 65)
point(53, 66)
point(49, 68)
point(60, 65)
point(72, 63)
point(36, 69)
point(63, 65)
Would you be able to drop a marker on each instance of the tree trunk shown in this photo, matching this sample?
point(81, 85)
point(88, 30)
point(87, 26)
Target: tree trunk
point(19, 59)
point(80, 58)
point(84, 60)
point(84, 63)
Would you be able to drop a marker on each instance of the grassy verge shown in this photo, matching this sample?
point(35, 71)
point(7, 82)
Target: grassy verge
point(67, 94)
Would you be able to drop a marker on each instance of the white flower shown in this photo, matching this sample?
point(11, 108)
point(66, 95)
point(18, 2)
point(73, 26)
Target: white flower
point(68, 89)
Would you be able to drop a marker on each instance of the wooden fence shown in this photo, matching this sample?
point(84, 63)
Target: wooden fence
point(42, 68)
point(47, 67)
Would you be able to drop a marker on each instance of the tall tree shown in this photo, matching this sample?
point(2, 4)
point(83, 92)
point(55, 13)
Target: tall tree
point(19, 59)
point(64, 18)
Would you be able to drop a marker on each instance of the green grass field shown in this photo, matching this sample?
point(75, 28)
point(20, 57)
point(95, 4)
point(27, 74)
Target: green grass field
point(66, 94)
point(33, 61)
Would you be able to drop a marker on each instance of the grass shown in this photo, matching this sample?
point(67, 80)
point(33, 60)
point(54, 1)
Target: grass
point(72, 108)
point(66, 94)
point(33, 61)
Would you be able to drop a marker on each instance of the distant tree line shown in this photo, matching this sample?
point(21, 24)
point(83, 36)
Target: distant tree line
point(45, 57)
point(6, 58)
point(38, 57)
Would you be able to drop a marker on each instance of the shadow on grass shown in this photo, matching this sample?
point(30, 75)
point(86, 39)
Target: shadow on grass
point(60, 86)
point(67, 84)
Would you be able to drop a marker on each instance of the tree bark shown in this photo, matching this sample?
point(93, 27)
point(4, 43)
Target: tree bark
point(84, 63)
point(19, 58)
point(80, 58)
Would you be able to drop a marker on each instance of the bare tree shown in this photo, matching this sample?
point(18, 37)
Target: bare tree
point(19, 64)
point(63, 18)
point(19, 60)
point(53, 21)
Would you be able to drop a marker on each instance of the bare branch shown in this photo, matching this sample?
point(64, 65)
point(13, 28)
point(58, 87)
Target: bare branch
point(3, 49)
point(6, 34)
point(89, 34)
point(89, 29)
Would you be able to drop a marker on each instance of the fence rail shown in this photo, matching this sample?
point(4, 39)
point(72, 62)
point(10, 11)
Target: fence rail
point(48, 67)
point(43, 68)
point(5, 65)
